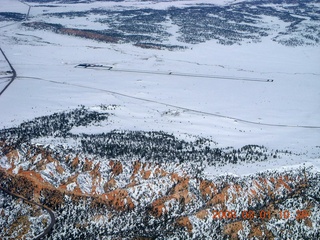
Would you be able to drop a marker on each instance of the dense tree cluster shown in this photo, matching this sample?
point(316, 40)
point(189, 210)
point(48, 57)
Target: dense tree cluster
point(19, 185)
point(162, 147)
point(151, 146)
point(230, 24)
point(58, 124)
point(20, 220)
point(11, 16)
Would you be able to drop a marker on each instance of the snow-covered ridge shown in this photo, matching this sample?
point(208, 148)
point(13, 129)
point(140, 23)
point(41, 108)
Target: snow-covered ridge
point(154, 178)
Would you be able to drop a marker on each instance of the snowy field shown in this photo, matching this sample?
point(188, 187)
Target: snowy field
point(279, 114)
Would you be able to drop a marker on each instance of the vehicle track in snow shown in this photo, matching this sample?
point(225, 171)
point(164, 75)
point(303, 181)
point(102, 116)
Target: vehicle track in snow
point(178, 107)
point(14, 74)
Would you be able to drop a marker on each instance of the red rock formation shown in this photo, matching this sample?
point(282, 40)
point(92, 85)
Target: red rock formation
point(184, 222)
point(116, 167)
point(119, 200)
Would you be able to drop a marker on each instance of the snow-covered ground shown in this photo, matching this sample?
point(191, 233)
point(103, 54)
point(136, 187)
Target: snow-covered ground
point(282, 164)
point(227, 110)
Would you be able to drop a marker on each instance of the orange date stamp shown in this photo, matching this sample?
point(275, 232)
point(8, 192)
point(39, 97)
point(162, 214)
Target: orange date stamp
point(260, 214)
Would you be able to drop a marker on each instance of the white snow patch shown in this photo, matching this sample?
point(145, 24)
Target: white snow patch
point(84, 181)
point(71, 186)
point(4, 163)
